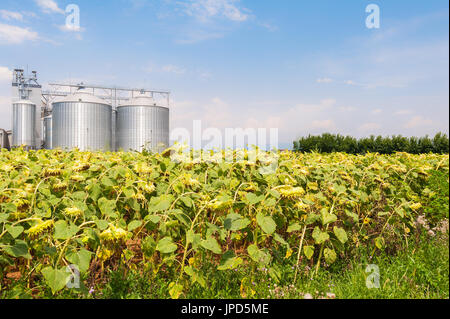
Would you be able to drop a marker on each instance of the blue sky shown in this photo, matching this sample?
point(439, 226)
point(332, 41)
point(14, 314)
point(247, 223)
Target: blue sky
point(302, 66)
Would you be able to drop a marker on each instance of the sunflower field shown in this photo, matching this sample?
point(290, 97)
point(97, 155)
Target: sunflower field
point(86, 213)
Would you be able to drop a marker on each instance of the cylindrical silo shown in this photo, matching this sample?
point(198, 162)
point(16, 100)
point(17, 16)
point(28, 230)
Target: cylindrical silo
point(24, 124)
point(4, 141)
point(113, 130)
point(47, 134)
point(82, 121)
point(141, 124)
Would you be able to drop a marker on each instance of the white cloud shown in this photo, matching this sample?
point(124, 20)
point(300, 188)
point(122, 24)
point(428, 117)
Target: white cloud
point(291, 120)
point(10, 34)
point(324, 124)
point(205, 10)
point(29, 14)
point(5, 74)
point(198, 35)
point(5, 99)
point(170, 68)
point(71, 28)
point(418, 121)
point(347, 108)
point(204, 75)
point(324, 80)
point(268, 26)
point(75, 29)
point(295, 119)
point(369, 127)
point(377, 111)
point(403, 112)
point(350, 82)
point(11, 15)
point(49, 6)
point(5, 106)
point(327, 102)
point(201, 20)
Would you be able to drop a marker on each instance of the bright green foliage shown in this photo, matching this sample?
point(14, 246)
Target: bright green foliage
point(144, 212)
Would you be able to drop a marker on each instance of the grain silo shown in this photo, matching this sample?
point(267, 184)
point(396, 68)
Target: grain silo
point(4, 141)
point(142, 124)
point(47, 132)
point(114, 130)
point(24, 124)
point(25, 88)
point(81, 120)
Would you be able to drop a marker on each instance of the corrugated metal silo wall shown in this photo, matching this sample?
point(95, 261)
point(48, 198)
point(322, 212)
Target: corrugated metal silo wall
point(82, 125)
point(47, 134)
point(114, 130)
point(24, 125)
point(35, 96)
point(142, 127)
point(4, 141)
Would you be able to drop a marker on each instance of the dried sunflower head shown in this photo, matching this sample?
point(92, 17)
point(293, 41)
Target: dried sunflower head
point(77, 178)
point(139, 197)
point(147, 187)
point(219, 204)
point(114, 234)
point(40, 228)
point(59, 186)
point(187, 180)
point(80, 166)
point(291, 192)
point(52, 172)
point(142, 168)
point(21, 204)
point(73, 212)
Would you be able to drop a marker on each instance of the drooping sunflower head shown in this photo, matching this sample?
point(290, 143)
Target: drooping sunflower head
point(73, 212)
point(40, 228)
point(80, 166)
point(77, 178)
point(59, 186)
point(290, 192)
point(52, 172)
point(114, 234)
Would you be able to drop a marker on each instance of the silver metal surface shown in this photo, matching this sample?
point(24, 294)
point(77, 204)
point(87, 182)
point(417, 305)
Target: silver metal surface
point(24, 124)
point(113, 130)
point(4, 141)
point(142, 125)
point(9, 137)
point(110, 95)
point(26, 87)
point(81, 121)
point(47, 132)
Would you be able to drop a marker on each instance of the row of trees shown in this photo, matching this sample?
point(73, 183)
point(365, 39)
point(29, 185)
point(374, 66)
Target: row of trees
point(328, 143)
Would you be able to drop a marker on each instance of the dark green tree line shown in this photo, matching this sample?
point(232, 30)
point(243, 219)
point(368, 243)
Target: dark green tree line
point(328, 143)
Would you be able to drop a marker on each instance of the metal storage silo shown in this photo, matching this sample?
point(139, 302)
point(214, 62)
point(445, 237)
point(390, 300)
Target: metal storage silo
point(24, 124)
point(9, 137)
point(47, 134)
point(4, 141)
point(83, 121)
point(113, 130)
point(141, 124)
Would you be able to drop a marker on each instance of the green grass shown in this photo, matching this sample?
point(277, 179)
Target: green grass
point(420, 271)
